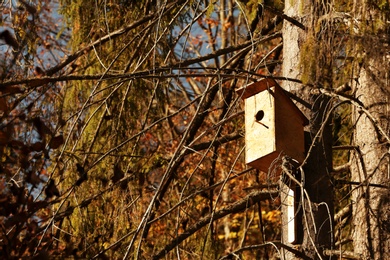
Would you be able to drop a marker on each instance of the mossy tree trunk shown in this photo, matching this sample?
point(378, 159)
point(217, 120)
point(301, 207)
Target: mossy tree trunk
point(370, 159)
point(314, 223)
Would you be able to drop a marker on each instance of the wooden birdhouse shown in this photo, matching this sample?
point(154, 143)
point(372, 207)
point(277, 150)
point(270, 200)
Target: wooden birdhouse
point(273, 124)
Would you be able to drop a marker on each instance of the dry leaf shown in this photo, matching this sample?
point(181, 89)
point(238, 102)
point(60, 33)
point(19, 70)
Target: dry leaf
point(37, 147)
point(51, 190)
point(42, 129)
point(3, 105)
point(56, 142)
point(3, 138)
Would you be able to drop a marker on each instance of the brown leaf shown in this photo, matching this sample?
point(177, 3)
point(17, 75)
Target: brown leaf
point(38, 72)
point(118, 174)
point(80, 169)
point(42, 129)
point(51, 190)
point(11, 90)
point(56, 142)
point(29, 7)
point(82, 173)
point(32, 226)
point(35, 206)
point(9, 39)
point(16, 144)
point(3, 138)
point(3, 105)
point(32, 178)
point(37, 147)
point(19, 218)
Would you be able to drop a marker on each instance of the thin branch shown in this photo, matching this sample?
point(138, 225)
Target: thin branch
point(107, 38)
point(342, 168)
point(361, 108)
point(342, 254)
point(146, 74)
point(247, 202)
point(203, 190)
point(286, 17)
point(365, 183)
point(276, 244)
point(343, 212)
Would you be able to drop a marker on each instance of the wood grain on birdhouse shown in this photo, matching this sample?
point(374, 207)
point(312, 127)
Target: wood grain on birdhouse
point(274, 126)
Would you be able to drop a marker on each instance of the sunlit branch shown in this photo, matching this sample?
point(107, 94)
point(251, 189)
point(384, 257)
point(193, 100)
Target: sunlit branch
point(238, 206)
point(276, 244)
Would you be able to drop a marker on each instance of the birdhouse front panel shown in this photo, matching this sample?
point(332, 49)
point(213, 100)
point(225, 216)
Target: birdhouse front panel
point(259, 128)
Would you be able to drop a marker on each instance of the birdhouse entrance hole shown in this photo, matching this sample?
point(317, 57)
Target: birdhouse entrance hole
point(259, 115)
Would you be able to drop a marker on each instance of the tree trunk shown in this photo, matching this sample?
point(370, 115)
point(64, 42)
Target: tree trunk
point(314, 224)
point(370, 160)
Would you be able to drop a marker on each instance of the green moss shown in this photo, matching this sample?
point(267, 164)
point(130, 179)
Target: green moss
point(309, 59)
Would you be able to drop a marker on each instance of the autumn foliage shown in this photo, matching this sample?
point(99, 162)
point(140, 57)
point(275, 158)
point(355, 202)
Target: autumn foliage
point(121, 132)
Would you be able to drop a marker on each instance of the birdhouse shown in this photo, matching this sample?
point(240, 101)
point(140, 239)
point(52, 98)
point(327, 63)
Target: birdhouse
point(273, 124)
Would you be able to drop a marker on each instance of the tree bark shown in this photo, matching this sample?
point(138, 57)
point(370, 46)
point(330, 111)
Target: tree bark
point(314, 224)
point(370, 160)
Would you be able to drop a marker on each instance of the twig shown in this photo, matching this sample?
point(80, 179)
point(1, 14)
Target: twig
point(342, 254)
point(247, 202)
point(278, 244)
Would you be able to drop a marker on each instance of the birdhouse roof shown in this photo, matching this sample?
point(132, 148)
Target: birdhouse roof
point(264, 84)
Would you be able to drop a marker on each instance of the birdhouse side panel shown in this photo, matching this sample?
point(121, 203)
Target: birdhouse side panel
point(289, 130)
point(259, 128)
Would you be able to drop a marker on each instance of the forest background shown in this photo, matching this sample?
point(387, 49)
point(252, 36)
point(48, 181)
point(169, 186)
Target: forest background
point(121, 131)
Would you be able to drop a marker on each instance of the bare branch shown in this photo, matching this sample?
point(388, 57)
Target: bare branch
point(108, 37)
point(276, 244)
point(247, 202)
point(342, 254)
